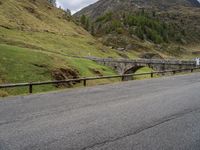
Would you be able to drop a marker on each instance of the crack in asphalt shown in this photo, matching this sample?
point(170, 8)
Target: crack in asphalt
point(149, 126)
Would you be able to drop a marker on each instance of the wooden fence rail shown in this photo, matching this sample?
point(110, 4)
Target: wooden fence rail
point(84, 80)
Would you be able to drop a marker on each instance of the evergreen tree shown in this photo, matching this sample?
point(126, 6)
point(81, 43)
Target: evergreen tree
point(83, 20)
point(140, 33)
point(68, 11)
point(87, 24)
point(92, 29)
point(53, 2)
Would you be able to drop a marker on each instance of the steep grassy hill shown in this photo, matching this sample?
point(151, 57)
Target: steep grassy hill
point(36, 42)
point(38, 25)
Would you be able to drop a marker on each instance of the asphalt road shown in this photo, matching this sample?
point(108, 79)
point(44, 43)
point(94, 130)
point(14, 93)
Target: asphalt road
point(157, 114)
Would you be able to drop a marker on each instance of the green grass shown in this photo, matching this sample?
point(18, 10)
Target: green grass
point(88, 68)
point(36, 39)
point(56, 43)
point(46, 28)
point(82, 65)
point(23, 65)
point(143, 70)
point(28, 65)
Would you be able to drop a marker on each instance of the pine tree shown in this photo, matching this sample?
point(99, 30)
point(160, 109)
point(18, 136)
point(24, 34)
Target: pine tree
point(87, 24)
point(83, 20)
point(53, 2)
point(92, 29)
point(68, 11)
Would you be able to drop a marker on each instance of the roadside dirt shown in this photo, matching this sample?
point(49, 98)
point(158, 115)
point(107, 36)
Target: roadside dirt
point(64, 74)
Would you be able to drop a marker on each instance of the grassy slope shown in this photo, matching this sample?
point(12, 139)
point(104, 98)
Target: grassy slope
point(36, 39)
point(27, 65)
point(47, 28)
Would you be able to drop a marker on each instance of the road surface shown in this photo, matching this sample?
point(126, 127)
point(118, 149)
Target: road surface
point(157, 114)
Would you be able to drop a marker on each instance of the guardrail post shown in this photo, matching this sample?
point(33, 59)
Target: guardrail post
point(174, 72)
point(192, 70)
point(30, 88)
point(122, 78)
point(151, 74)
point(84, 82)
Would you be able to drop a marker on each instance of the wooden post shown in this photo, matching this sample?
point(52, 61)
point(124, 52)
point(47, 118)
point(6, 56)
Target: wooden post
point(122, 78)
point(192, 70)
point(174, 72)
point(151, 74)
point(30, 88)
point(85, 82)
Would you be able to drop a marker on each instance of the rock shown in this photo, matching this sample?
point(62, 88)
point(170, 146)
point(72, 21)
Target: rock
point(120, 49)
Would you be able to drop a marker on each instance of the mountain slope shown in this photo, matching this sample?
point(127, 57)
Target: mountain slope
point(160, 25)
point(39, 25)
point(102, 6)
point(36, 40)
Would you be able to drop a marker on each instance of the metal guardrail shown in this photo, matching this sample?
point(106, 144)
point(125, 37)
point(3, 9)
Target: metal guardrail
point(84, 80)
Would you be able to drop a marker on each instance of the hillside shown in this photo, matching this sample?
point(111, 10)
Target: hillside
point(102, 6)
point(39, 25)
point(36, 42)
point(168, 27)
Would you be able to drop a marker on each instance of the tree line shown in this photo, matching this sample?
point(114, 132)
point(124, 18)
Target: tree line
point(142, 24)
